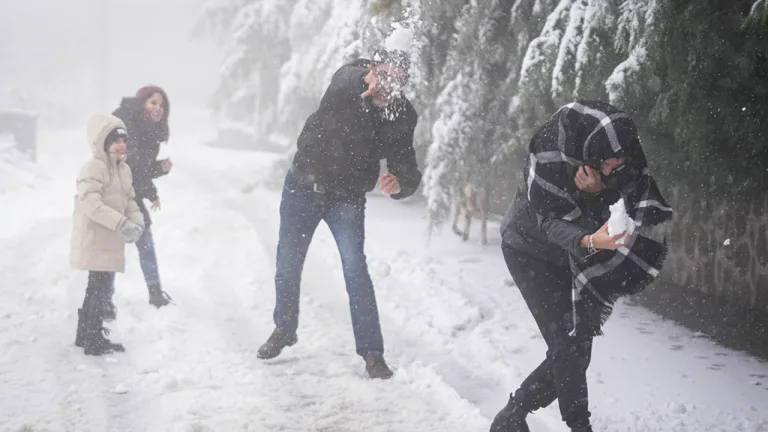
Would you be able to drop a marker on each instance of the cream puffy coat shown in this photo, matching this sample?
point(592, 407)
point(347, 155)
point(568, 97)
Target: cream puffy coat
point(105, 197)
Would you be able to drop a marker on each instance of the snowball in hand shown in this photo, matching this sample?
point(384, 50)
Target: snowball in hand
point(620, 221)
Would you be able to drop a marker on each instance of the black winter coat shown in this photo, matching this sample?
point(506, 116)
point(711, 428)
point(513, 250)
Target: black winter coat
point(342, 142)
point(143, 146)
point(553, 240)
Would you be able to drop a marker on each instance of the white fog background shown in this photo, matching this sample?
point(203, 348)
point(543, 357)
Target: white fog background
point(70, 59)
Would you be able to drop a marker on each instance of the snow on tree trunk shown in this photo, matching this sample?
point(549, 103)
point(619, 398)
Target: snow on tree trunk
point(539, 61)
point(562, 74)
point(257, 44)
point(444, 170)
point(635, 19)
point(596, 55)
point(624, 74)
point(758, 14)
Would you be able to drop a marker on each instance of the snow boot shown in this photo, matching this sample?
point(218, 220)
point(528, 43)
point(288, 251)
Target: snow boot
point(278, 340)
point(511, 418)
point(157, 297)
point(582, 429)
point(457, 231)
point(94, 334)
point(80, 336)
point(377, 367)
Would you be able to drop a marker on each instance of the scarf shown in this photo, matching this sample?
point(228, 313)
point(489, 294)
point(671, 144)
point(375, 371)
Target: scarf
point(585, 133)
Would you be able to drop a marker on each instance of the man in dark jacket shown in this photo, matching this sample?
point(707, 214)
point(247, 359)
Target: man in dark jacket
point(363, 118)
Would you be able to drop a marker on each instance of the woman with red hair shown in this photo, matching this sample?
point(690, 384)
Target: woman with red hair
point(146, 118)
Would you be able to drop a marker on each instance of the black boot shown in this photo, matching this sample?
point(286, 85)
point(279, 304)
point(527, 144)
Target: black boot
point(94, 334)
point(582, 429)
point(157, 297)
point(457, 231)
point(278, 340)
point(511, 418)
point(377, 367)
point(80, 336)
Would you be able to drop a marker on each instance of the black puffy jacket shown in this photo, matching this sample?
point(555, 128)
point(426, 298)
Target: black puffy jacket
point(342, 142)
point(143, 146)
point(553, 240)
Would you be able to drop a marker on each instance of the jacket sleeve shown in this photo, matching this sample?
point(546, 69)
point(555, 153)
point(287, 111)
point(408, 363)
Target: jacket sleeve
point(157, 170)
point(349, 80)
point(132, 212)
point(565, 234)
point(568, 235)
point(90, 184)
point(142, 177)
point(402, 164)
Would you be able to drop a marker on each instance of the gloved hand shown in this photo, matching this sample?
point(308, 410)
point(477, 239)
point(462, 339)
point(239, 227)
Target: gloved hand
point(131, 231)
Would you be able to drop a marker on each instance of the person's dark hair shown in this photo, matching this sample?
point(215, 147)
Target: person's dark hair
point(143, 95)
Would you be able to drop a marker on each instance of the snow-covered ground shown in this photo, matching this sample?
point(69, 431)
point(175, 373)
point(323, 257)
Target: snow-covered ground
point(454, 325)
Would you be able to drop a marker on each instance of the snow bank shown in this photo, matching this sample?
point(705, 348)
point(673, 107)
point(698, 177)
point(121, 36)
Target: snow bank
point(17, 170)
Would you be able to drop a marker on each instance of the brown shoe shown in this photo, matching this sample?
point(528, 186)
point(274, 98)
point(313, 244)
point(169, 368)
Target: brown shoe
point(377, 367)
point(157, 297)
point(278, 340)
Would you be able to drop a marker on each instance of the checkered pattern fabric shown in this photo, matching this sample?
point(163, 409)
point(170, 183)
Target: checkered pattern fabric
point(587, 133)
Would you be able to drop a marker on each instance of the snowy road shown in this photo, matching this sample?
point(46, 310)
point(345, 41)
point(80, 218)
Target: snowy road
point(454, 326)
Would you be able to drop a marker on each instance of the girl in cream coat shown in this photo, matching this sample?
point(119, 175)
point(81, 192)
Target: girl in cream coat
point(105, 218)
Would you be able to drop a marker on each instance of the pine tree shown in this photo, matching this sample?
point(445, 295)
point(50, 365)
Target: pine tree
point(596, 55)
point(255, 34)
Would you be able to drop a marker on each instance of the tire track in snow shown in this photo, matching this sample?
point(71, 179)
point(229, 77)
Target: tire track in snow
point(45, 364)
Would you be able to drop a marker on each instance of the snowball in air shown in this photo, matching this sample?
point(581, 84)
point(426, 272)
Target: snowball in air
point(401, 38)
point(383, 270)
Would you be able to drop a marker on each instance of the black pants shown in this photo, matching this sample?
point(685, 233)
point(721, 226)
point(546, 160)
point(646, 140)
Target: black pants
point(546, 288)
point(98, 293)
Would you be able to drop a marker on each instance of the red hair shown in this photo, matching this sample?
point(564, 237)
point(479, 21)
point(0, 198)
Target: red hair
point(147, 92)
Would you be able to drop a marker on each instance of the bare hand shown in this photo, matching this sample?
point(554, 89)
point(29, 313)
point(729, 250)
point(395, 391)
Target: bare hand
point(370, 79)
point(389, 184)
point(602, 240)
point(156, 205)
point(166, 165)
point(588, 180)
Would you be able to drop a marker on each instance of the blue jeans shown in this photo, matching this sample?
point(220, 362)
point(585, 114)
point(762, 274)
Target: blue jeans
point(301, 211)
point(147, 257)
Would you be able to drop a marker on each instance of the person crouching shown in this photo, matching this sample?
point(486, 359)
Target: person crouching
point(106, 217)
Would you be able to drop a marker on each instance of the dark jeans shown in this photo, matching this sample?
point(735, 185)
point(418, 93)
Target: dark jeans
point(562, 375)
point(147, 257)
point(98, 293)
point(301, 211)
